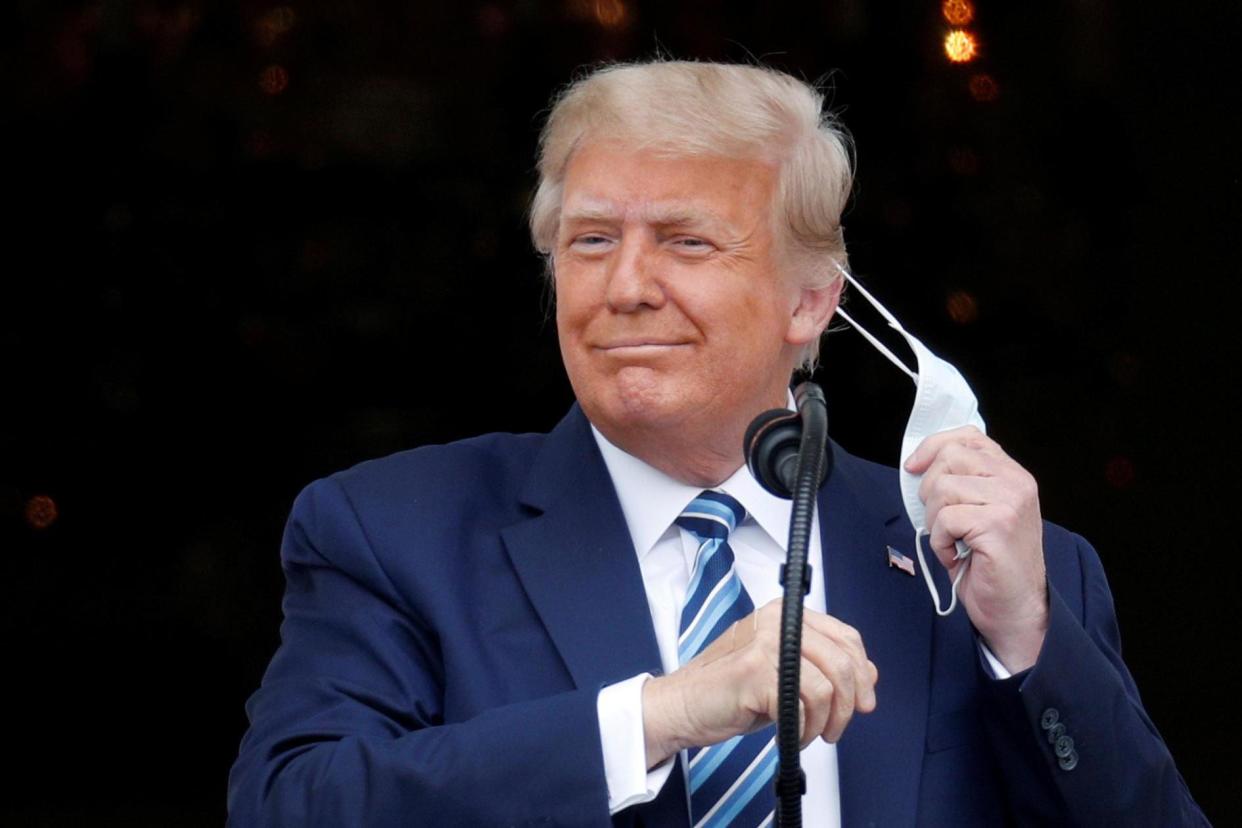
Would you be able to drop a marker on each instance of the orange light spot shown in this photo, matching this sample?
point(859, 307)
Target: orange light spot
point(962, 306)
point(960, 46)
point(269, 27)
point(958, 12)
point(41, 511)
point(611, 14)
point(273, 80)
point(983, 88)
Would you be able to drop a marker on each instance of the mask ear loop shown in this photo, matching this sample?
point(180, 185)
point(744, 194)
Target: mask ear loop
point(875, 303)
point(963, 555)
point(879, 346)
point(883, 311)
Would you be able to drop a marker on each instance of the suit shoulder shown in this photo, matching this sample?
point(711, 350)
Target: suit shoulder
point(867, 471)
point(467, 473)
point(874, 484)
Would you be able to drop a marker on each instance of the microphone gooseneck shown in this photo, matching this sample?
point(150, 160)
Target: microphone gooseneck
point(788, 454)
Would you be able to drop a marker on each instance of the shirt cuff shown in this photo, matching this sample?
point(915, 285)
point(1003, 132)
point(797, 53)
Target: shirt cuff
point(991, 663)
point(620, 708)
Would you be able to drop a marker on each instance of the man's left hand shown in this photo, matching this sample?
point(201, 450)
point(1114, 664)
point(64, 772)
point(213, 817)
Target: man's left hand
point(977, 493)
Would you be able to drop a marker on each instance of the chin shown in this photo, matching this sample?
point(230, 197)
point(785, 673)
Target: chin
point(638, 399)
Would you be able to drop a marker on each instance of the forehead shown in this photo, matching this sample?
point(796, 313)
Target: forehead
point(606, 181)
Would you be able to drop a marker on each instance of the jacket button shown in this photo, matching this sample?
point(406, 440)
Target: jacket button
point(1064, 747)
point(1069, 762)
point(1055, 732)
point(1050, 717)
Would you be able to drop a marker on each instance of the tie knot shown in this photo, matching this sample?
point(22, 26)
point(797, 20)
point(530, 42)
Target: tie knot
point(711, 515)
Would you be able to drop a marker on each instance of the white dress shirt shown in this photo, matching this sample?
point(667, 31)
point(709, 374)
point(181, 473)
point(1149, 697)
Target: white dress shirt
point(650, 501)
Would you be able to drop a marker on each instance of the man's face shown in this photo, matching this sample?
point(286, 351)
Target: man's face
point(673, 313)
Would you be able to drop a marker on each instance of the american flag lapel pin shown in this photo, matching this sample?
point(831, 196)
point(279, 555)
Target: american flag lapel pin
point(900, 561)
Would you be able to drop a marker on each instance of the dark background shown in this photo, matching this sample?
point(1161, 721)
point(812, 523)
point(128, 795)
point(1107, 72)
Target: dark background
point(251, 243)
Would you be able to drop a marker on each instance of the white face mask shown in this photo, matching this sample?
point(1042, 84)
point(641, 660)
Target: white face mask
point(942, 401)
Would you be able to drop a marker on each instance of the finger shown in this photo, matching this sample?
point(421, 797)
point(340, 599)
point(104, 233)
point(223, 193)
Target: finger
point(848, 639)
point(839, 668)
point(969, 436)
point(955, 490)
point(957, 459)
point(954, 523)
point(815, 693)
point(836, 629)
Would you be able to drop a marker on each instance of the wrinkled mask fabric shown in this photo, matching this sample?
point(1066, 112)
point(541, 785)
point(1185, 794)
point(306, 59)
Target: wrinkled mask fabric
point(942, 401)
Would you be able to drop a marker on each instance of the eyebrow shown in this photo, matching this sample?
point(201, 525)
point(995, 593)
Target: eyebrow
point(662, 214)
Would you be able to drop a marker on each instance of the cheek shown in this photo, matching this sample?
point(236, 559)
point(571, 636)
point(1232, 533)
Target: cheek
point(569, 312)
point(575, 295)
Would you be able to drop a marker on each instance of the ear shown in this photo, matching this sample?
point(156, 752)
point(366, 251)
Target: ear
point(813, 312)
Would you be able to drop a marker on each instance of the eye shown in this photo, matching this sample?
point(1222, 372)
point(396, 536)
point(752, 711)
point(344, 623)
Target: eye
point(692, 245)
point(590, 242)
point(588, 245)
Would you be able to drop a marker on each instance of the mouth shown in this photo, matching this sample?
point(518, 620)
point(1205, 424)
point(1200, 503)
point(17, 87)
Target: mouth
point(625, 347)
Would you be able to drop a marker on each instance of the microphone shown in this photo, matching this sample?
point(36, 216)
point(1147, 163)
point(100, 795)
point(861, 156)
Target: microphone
point(789, 454)
point(773, 440)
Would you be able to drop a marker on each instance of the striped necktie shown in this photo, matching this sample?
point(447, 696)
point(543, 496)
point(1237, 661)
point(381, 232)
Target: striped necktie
point(731, 782)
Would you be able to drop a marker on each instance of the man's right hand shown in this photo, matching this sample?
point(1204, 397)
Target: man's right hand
point(731, 687)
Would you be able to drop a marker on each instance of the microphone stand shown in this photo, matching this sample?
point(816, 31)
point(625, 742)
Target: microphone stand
point(795, 474)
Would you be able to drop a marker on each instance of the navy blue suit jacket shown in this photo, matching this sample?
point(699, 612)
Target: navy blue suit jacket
point(452, 612)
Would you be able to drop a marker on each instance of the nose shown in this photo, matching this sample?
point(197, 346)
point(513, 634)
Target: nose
point(634, 277)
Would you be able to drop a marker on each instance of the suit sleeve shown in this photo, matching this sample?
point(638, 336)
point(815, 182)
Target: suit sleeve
point(348, 726)
point(1074, 743)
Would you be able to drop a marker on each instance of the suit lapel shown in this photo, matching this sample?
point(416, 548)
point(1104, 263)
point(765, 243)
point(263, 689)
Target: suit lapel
point(577, 564)
point(579, 569)
point(880, 756)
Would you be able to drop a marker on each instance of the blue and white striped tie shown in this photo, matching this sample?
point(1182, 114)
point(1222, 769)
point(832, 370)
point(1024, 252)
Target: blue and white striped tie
point(731, 782)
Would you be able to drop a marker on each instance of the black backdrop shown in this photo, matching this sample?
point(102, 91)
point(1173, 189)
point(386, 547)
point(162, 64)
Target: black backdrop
point(251, 243)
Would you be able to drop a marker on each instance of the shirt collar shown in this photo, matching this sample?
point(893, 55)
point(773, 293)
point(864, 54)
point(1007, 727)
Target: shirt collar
point(651, 500)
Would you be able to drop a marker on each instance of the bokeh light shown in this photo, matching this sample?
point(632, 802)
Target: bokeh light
point(958, 12)
point(960, 46)
point(276, 22)
point(962, 307)
point(41, 512)
point(273, 80)
point(984, 88)
point(610, 14)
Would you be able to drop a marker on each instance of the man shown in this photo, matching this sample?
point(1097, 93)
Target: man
point(580, 627)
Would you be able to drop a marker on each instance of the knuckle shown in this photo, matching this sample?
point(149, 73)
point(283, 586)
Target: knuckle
point(1008, 518)
point(821, 694)
point(842, 666)
point(852, 640)
point(755, 661)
